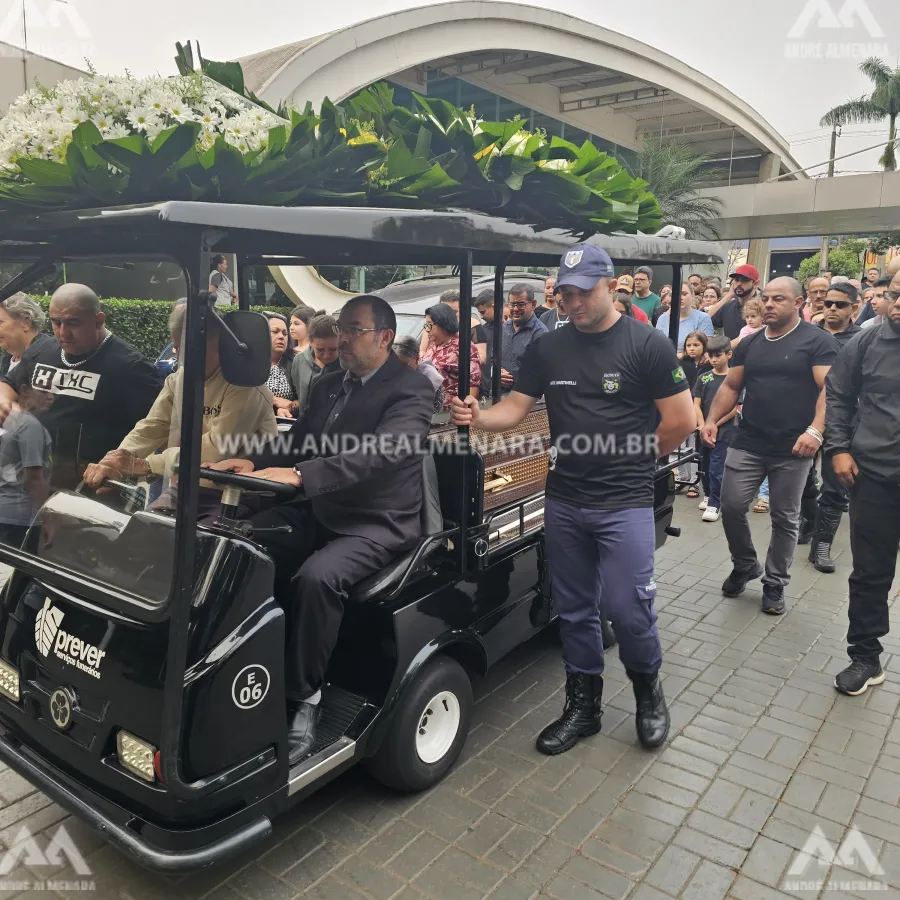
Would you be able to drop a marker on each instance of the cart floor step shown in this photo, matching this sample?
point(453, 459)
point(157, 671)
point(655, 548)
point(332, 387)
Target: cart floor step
point(339, 709)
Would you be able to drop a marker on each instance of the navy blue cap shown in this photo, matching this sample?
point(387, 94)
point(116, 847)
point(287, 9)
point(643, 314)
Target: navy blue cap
point(583, 266)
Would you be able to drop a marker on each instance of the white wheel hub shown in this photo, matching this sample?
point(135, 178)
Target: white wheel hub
point(438, 727)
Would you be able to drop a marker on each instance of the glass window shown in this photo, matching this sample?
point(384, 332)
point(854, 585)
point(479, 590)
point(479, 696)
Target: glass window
point(84, 375)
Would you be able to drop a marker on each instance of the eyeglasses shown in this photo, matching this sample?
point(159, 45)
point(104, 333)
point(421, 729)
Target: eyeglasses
point(837, 304)
point(353, 331)
point(518, 304)
point(429, 326)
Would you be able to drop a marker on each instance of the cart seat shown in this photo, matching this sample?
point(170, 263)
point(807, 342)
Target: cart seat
point(389, 577)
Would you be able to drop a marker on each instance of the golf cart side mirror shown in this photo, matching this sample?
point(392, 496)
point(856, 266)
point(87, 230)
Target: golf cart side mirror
point(245, 348)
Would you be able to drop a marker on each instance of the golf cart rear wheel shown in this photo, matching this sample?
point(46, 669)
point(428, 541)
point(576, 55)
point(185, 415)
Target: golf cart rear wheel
point(428, 728)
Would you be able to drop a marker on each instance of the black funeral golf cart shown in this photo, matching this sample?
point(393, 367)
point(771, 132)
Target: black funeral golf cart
point(141, 654)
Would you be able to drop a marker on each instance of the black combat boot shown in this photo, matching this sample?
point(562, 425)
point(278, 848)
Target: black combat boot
point(580, 718)
point(609, 636)
point(652, 716)
point(827, 522)
point(807, 530)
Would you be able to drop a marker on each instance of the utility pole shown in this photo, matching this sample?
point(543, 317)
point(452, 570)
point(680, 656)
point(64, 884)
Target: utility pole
point(823, 255)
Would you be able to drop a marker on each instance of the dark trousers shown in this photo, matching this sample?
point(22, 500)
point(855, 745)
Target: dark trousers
point(874, 537)
point(601, 563)
point(713, 462)
point(314, 570)
point(833, 501)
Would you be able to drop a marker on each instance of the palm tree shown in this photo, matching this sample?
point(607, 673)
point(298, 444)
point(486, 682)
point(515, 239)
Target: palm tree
point(882, 103)
point(675, 173)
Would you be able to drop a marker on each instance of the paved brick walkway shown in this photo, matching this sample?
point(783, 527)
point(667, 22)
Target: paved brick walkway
point(763, 752)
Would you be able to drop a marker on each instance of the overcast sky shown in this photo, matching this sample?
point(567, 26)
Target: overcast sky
point(741, 46)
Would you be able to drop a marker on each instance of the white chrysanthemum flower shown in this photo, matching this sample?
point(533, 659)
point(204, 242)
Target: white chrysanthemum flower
point(142, 119)
point(116, 131)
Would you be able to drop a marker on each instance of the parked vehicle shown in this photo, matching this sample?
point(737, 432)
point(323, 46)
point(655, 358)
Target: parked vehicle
point(142, 654)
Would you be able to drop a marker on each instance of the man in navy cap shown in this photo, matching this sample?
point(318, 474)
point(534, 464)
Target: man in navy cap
point(616, 399)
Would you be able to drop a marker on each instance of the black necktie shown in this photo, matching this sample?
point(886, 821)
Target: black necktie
point(349, 385)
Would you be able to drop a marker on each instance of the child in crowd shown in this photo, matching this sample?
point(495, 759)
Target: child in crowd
point(753, 313)
point(693, 365)
point(692, 356)
point(713, 458)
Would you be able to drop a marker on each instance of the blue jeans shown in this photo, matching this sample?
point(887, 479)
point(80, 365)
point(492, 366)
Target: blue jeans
point(601, 564)
point(764, 490)
point(713, 469)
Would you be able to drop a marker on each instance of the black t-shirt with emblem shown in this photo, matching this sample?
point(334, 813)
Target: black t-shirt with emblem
point(705, 390)
point(600, 391)
point(95, 404)
point(780, 392)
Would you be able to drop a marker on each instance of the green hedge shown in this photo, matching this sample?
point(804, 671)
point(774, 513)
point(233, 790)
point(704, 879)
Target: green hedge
point(142, 323)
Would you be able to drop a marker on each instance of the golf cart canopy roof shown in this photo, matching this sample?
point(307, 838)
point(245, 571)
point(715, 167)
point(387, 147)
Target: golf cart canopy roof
point(310, 235)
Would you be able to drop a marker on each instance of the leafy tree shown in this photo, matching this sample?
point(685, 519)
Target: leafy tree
point(881, 243)
point(841, 261)
point(675, 174)
point(882, 103)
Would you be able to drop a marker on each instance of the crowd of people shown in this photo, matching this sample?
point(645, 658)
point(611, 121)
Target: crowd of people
point(771, 379)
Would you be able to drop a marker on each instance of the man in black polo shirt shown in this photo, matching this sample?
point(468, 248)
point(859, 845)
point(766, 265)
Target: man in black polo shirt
point(616, 400)
point(728, 313)
point(782, 369)
point(840, 304)
point(862, 424)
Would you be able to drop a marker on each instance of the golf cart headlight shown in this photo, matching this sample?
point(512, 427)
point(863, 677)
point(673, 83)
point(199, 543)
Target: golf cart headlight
point(136, 756)
point(9, 681)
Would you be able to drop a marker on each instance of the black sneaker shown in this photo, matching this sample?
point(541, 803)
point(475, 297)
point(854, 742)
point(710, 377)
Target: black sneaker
point(735, 583)
point(858, 676)
point(773, 600)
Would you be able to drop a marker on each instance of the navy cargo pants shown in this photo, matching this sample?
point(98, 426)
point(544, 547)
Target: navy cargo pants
point(601, 563)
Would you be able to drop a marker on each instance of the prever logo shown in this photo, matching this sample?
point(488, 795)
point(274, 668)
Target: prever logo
point(46, 625)
point(48, 635)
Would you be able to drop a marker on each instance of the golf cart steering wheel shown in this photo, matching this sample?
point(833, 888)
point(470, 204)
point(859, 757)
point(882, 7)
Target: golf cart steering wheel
point(247, 483)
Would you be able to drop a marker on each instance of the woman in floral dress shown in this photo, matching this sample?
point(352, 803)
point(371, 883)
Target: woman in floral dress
point(443, 351)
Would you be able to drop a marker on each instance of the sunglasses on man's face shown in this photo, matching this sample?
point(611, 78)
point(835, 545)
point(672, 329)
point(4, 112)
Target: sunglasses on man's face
point(837, 304)
point(518, 304)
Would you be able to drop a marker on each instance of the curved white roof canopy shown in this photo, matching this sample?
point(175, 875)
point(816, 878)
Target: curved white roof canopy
point(594, 79)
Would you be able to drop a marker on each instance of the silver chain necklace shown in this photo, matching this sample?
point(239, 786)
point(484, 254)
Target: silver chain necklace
point(75, 365)
point(780, 336)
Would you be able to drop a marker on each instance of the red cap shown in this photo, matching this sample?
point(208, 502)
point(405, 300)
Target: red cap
point(747, 271)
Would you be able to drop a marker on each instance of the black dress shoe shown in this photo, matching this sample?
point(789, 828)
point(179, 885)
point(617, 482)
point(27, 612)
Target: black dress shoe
point(652, 716)
point(735, 583)
point(302, 720)
point(580, 718)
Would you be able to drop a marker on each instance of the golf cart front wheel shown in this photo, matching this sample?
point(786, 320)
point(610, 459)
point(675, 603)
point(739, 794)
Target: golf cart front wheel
point(428, 728)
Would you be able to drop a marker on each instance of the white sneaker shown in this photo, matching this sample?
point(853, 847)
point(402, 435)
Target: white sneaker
point(711, 514)
point(702, 504)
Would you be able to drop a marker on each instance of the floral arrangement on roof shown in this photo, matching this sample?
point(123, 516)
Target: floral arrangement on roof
point(202, 135)
point(40, 123)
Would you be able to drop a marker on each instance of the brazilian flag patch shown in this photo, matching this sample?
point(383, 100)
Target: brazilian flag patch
point(678, 375)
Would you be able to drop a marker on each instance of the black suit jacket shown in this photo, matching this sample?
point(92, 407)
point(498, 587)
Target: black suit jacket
point(374, 491)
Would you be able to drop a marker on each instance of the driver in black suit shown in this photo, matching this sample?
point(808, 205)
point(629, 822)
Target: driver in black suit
point(360, 499)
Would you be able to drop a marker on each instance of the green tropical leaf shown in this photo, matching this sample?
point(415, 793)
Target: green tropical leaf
point(45, 173)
